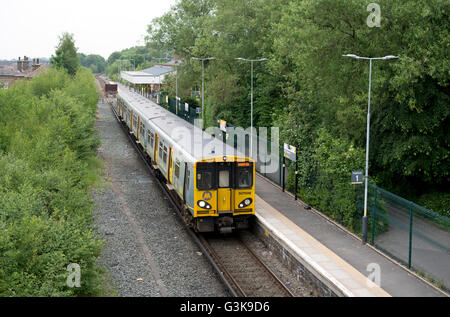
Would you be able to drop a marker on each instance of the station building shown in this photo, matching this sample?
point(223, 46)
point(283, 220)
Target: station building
point(149, 80)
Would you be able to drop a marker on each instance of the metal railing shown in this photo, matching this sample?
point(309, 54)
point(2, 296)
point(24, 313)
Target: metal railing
point(413, 235)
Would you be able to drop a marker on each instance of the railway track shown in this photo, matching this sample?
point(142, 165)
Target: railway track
point(241, 270)
point(245, 271)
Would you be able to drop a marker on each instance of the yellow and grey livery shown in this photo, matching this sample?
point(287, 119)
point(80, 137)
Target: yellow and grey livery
point(216, 188)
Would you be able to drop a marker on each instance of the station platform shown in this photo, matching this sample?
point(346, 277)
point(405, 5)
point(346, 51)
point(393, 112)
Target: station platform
point(332, 252)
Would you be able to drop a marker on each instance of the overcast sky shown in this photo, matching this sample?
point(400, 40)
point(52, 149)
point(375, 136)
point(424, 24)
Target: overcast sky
point(32, 27)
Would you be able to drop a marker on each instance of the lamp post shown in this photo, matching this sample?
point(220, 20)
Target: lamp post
point(251, 98)
point(176, 86)
point(364, 220)
point(203, 84)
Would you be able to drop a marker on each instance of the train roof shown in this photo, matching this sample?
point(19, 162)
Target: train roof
point(168, 122)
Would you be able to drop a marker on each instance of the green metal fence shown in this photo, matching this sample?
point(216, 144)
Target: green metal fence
point(413, 235)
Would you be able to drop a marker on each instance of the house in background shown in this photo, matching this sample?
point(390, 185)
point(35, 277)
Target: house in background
point(23, 69)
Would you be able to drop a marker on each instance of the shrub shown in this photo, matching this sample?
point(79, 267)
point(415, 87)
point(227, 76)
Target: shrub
point(47, 169)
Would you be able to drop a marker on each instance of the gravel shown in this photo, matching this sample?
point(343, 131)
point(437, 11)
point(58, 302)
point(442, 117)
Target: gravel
point(148, 251)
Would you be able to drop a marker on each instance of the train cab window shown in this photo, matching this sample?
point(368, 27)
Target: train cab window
point(224, 178)
point(205, 180)
point(244, 175)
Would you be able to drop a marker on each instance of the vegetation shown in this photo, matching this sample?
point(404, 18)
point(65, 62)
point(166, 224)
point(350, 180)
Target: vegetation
point(66, 56)
point(139, 57)
point(319, 98)
point(95, 63)
point(48, 166)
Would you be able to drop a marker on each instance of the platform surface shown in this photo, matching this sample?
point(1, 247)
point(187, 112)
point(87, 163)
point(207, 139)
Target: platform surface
point(340, 254)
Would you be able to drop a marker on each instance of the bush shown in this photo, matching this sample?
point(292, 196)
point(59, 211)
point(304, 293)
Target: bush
point(48, 166)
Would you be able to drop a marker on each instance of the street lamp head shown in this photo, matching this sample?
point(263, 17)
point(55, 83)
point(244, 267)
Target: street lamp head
point(203, 59)
point(351, 55)
point(390, 57)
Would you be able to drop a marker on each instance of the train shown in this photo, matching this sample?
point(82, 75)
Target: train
point(214, 184)
point(110, 88)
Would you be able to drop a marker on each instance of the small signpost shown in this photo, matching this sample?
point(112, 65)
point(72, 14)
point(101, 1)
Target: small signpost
point(357, 177)
point(186, 107)
point(198, 110)
point(290, 152)
point(223, 125)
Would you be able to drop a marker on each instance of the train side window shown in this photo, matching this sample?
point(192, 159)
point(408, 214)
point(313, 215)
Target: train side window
point(150, 138)
point(177, 169)
point(142, 130)
point(165, 155)
point(187, 180)
point(160, 150)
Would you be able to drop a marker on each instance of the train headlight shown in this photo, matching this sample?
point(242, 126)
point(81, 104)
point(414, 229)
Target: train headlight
point(245, 203)
point(203, 204)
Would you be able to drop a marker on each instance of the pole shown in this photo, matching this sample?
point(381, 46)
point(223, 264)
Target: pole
point(251, 116)
point(364, 220)
point(374, 219)
point(176, 90)
point(410, 234)
point(296, 178)
point(203, 93)
point(284, 171)
point(364, 231)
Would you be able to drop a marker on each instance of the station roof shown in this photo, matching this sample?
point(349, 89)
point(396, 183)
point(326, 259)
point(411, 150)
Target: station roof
point(158, 70)
point(140, 77)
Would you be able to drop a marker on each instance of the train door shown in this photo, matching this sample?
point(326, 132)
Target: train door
point(155, 157)
point(131, 120)
point(169, 167)
point(187, 176)
point(224, 177)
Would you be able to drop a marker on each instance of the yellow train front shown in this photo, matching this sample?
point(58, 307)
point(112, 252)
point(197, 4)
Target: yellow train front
point(215, 189)
point(224, 193)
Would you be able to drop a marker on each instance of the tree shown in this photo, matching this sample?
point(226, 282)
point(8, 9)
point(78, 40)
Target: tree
point(95, 63)
point(66, 56)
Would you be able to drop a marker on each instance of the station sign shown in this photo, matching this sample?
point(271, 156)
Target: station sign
point(198, 110)
point(290, 152)
point(186, 107)
point(167, 99)
point(357, 177)
point(223, 125)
